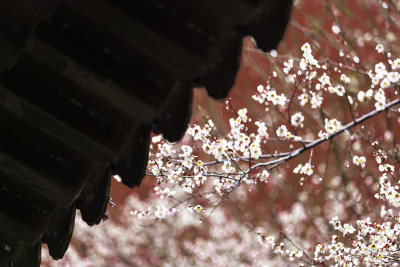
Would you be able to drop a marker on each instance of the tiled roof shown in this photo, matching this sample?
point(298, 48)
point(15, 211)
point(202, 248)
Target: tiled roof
point(82, 84)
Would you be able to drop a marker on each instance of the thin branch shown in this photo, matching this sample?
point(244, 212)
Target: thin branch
point(321, 140)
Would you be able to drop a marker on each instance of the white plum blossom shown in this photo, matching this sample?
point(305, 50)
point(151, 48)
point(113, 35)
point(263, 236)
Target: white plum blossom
point(361, 96)
point(344, 78)
point(380, 99)
point(393, 77)
point(263, 176)
point(188, 187)
point(186, 151)
point(386, 168)
point(276, 99)
point(297, 119)
point(187, 163)
point(359, 161)
point(227, 167)
point(316, 100)
point(396, 64)
point(156, 171)
point(323, 135)
point(197, 208)
point(288, 66)
point(281, 131)
point(324, 80)
point(379, 48)
point(242, 114)
point(332, 126)
point(271, 240)
point(306, 169)
point(308, 58)
point(255, 150)
point(262, 129)
point(200, 179)
point(385, 83)
point(380, 69)
point(335, 29)
point(303, 99)
point(160, 212)
point(156, 139)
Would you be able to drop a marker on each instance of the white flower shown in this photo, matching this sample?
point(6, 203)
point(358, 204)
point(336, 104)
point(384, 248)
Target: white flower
point(347, 228)
point(297, 169)
point(385, 83)
point(242, 114)
point(172, 178)
point(379, 48)
point(167, 192)
point(307, 57)
point(188, 187)
point(156, 139)
point(344, 78)
point(396, 64)
point(359, 161)
point(324, 80)
point(166, 149)
point(361, 96)
point(187, 163)
point(299, 254)
point(375, 80)
point(380, 105)
point(276, 99)
point(263, 176)
point(155, 171)
point(160, 212)
point(262, 129)
point(281, 131)
point(380, 99)
point(307, 169)
point(332, 126)
point(340, 90)
point(158, 190)
point(297, 119)
point(316, 100)
point(207, 148)
point(373, 247)
point(226, 167)
point(323, 135)
point(197, 208)
point(288, 135)
point(200, 179)
point(369, 93)
point(393, 77)
point(304, 169)
point(335, 29)
point(245, 139)
point(303, 99)
point(331, 89)
point(271, 96)
point(380, 68)
point(303, 64)
point(306, 48)
point(271, 240)
point(386, 167)
point(255, 150)
point(288, 66)
point(187, 151)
